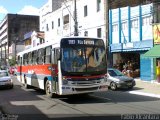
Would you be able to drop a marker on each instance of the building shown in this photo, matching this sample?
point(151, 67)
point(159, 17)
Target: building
point(131, 36)
point(60, 22)
point(13, 27)
point(33, 38)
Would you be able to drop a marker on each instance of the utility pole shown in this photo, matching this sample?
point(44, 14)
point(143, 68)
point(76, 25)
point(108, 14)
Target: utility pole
point(75, 19)
point(1, 49)
point(1, 52)
point(15, 47)
point(106, 19)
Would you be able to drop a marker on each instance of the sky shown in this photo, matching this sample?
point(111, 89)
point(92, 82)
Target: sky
point(27, 7)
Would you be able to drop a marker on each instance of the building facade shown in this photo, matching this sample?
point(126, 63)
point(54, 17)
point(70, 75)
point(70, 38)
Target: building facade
point(130, 29)
point(130, 37)
point(13, 27)
point(60, 22)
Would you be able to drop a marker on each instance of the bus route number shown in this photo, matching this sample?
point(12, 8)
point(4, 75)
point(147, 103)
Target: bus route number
point(71, 42)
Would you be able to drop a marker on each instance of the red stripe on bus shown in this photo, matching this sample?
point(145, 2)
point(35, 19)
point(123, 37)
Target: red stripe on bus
point(38, 69)
point(97, 76)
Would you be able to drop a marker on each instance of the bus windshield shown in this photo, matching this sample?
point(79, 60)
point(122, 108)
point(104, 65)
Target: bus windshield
point(90, 59)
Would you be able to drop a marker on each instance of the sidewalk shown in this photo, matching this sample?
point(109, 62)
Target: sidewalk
point(147, 88)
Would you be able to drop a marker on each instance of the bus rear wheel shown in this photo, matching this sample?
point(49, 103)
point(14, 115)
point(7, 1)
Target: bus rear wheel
point(48, 89)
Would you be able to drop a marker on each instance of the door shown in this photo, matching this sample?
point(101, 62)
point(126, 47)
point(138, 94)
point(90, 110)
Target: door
point(54, 70)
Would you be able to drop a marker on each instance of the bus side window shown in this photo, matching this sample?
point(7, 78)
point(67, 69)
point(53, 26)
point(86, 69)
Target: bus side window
point(34, 57)
point(25, 56)
point(18, 61)
point(48, 55)
point(40, 58)
point(30, 58)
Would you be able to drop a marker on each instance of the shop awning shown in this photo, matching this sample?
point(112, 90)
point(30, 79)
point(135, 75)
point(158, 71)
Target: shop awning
point(153, 52)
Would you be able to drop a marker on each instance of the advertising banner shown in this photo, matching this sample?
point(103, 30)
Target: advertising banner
point(156, 33)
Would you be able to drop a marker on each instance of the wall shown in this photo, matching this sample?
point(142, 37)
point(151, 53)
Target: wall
point(90, 23)
point(131, 31)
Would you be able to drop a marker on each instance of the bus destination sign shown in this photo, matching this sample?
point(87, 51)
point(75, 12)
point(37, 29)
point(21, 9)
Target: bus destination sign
point(81, 42)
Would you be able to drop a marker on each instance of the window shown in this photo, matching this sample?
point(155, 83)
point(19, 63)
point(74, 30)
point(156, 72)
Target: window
point(30, 58)
point(85, 11)
point(147, 20)
point(41, 40)
point(47, 28)
point(52, 25)
point(98, 5)
point(134, 23)
point(40, 58)
point(19, 60)
point(34, 57)
point(66, 19)
point(59, 22)
point(25, 59)
point(124, 25)
point(115, 28)
point(99, 32)
point(47, 56)
point(86, 33)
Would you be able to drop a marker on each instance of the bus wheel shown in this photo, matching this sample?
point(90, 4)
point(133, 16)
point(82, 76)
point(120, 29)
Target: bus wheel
point(48, 89)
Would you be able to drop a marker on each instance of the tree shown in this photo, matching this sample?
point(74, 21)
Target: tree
point(12, 61)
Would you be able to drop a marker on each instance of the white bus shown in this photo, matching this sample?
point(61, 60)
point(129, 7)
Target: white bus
point(52, 67)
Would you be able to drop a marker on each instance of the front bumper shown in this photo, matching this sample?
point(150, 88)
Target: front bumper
point(126, 84)
point(67, 90)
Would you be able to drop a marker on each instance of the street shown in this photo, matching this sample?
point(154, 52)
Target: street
point(33, 104)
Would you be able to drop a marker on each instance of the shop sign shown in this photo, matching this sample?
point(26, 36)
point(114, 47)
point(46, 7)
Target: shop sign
point(156, 33)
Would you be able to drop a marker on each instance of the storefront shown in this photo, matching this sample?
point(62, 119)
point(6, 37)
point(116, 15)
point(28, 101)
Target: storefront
point(127, 58)
point(153, 55)
point(128, 63)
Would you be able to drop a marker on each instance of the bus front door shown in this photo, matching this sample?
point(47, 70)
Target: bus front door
point(54, 71)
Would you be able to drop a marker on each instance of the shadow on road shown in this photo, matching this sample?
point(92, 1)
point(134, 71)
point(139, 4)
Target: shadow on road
point(121, 96)
point(13, 102)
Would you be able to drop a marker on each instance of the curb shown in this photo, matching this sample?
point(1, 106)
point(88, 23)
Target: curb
point(144, 94)
point(152, 81)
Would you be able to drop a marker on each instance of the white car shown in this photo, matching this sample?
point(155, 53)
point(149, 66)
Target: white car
point(5, 79)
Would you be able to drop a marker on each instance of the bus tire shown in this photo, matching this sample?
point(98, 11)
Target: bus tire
point(48, 89)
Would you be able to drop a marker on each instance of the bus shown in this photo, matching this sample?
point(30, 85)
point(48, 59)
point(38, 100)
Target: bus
point(52, 67)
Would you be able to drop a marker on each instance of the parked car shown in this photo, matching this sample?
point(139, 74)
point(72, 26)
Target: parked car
point(5, 79)
point(116, 79)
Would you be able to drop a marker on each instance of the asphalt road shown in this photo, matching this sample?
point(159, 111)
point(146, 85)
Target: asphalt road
point(31, 104)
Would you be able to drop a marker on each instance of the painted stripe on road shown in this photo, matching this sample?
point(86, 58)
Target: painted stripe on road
point(144, 94)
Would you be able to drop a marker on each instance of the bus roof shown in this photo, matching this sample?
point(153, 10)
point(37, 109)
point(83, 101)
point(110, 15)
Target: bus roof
point(57, 44)
point(39, 47)
point(85, 37)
